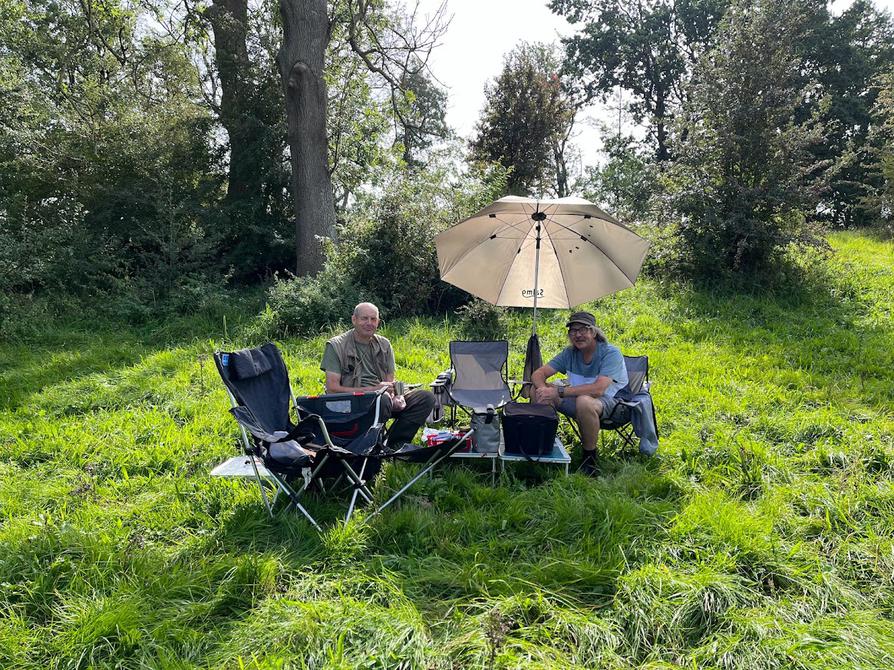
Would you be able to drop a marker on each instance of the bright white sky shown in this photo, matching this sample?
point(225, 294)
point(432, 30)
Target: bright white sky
point(483, 31)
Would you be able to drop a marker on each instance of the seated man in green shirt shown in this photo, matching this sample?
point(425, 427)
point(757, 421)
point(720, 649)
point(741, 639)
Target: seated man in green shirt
point(361, 360)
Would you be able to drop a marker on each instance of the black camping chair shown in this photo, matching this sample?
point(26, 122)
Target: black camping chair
point(258, 385)
point(348, 427)
point(353, 428)
point(477, 376)
point(620, 418)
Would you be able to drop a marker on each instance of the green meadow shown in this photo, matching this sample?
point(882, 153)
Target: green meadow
point(760, 536)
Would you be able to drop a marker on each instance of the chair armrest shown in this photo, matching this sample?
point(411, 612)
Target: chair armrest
point(443, 380)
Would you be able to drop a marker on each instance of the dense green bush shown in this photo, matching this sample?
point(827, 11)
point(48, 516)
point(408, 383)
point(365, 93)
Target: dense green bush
point(385, 253)
point(306, 305)
point(745, 183)
point(479, 320)
point(878, 202)
point(387, 248)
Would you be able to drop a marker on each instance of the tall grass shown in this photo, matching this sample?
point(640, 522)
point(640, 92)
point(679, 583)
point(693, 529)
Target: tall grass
point(760, 536)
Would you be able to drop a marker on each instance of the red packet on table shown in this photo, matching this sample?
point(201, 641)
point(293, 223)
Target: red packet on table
point(434, 437)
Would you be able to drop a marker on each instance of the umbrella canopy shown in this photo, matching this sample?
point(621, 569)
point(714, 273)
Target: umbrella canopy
point(524, 252)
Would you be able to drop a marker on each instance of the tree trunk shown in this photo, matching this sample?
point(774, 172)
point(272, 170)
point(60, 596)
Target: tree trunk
point(229, 20)
point(662, 154)
point(305, 37)
point(561, 170)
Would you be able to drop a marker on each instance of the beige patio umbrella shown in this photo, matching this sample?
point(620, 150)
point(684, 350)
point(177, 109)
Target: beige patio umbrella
point(526, 252)
point(521, 252)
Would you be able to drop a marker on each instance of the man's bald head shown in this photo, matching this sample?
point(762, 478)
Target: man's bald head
point(365, 307)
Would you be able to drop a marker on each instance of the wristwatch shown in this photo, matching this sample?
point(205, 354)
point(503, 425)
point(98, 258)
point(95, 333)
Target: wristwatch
point(561, 391)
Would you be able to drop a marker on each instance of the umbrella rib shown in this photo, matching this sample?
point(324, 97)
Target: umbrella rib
point(514, 226)
point(470, 249)
point(521, 240)
point(558, 264)
point(591, 242)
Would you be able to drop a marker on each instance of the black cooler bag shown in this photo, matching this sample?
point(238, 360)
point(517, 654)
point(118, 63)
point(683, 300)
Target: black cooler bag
point(529, 429)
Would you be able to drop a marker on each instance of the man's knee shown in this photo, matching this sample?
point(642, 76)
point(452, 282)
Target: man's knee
point(419, 403)
point(425, 399)
point(588, 407)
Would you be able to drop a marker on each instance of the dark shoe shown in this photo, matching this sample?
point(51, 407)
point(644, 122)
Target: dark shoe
point(589, 466)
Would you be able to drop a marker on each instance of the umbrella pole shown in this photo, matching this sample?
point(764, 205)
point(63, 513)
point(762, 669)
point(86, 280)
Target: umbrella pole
point(538, 216)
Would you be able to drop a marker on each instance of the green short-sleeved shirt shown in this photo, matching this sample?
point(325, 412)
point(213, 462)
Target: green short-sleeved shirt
point(368, 375)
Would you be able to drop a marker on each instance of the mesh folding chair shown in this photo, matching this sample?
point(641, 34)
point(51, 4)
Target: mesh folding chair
point(479, 375)
point(620, 418)
point(258, 385)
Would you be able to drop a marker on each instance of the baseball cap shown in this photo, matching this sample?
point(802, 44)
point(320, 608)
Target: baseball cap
point(582, 317)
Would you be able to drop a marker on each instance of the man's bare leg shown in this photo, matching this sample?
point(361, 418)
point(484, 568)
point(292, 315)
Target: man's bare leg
point(588, 409)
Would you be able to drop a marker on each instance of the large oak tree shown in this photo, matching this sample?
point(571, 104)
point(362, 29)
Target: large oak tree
point(393, 48)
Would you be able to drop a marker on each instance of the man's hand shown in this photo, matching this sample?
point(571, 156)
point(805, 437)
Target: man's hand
point(547, 395)
point(398, 402)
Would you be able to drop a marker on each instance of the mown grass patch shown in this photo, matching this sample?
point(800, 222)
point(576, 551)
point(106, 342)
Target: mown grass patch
point(760, 536)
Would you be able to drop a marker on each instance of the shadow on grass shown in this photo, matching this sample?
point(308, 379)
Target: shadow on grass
point(73, 346)
point(456, 538)
point(24, 371)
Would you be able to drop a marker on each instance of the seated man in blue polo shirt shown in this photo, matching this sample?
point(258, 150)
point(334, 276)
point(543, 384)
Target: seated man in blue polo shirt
point(596, 371)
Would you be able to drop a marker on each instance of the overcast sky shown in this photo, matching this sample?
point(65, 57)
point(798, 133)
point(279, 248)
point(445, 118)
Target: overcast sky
point(482, 32)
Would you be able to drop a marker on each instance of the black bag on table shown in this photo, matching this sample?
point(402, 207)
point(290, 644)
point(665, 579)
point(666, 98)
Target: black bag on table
point(529, 429)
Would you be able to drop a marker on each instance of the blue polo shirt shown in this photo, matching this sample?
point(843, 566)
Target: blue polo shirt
point(607, 362)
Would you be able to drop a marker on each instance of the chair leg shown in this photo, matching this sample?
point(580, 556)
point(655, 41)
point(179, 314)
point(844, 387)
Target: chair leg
point(357, 488)
point(254, 466)
point(358, 481)
point(293, 500)
point(624, 433)
point(360, 487)
point(428, 467)
point(313, 476)
point(260, 481)
point(573, 425)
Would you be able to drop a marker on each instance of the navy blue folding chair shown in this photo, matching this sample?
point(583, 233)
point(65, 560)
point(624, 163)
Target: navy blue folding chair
point(258, 385)
point(337, 437)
